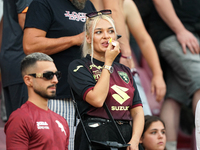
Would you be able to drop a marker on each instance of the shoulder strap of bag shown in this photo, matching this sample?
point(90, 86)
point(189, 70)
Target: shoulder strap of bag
point(113, 121)
point(97, 144)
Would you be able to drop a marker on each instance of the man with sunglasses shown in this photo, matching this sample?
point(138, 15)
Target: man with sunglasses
point(56, 28)
point(34, 125)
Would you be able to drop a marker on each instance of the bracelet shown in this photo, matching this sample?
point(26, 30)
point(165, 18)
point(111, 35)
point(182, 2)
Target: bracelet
point(126, 57)
point(134, 72)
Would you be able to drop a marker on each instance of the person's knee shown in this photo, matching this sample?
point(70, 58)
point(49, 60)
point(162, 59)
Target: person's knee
point(170, 110)
point(171, 103)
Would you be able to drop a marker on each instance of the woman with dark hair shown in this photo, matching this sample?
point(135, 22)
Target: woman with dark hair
point(96, 79)
point(153, 136)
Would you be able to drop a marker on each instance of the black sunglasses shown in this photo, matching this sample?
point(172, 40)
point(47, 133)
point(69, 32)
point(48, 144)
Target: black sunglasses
point(47, 75)
point(97, 13)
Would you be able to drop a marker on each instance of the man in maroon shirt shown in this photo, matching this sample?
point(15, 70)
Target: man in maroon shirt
point(34, 125)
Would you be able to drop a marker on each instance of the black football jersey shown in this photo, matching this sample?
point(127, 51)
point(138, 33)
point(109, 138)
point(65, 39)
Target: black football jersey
point(122, 96)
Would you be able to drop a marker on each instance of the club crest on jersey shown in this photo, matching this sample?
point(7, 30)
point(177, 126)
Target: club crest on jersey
point(96, 71)
point(124, 76)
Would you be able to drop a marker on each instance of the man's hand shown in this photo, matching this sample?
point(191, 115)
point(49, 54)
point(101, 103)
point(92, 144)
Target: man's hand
point(80, 38)
point(158, 87)
point(187, 39)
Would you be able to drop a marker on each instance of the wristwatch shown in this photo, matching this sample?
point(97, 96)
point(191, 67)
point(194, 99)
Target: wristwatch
point(109, 68)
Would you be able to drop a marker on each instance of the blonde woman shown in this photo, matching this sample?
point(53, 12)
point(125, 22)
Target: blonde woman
point(97, 79)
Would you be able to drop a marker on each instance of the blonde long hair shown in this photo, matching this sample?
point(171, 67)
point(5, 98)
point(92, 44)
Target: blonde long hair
point(87, 48)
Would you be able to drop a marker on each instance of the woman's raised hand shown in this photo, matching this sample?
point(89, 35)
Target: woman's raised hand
point(111, 52)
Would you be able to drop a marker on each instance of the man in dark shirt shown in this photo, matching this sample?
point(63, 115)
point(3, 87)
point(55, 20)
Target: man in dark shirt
point(15, 91)
point(175, 29)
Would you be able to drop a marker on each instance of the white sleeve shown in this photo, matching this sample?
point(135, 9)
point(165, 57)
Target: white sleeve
point(197, 125)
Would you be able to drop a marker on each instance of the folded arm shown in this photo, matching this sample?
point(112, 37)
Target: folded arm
point(35, 40)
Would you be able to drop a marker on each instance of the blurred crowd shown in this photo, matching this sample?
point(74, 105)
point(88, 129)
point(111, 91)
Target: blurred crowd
point(158, 41)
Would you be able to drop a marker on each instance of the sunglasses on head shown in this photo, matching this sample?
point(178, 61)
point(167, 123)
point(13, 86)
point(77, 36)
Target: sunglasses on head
point(98, 13)
point(47, 75)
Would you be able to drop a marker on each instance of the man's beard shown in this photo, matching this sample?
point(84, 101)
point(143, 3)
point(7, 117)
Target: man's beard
point(79, 4)
point(44, 95)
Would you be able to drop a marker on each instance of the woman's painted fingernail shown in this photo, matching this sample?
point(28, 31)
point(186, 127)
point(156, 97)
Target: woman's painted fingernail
point(110, 40)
